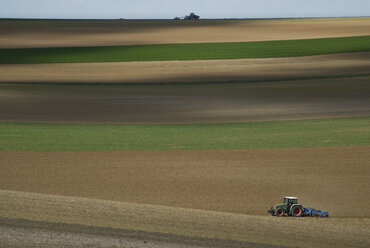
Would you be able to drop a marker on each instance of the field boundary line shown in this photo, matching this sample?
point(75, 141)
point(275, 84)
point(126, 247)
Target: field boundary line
point(244, 81)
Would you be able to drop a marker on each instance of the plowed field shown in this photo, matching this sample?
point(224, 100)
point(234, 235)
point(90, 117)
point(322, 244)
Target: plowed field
point(239, 181)
point(300, 99)
point(243, 182)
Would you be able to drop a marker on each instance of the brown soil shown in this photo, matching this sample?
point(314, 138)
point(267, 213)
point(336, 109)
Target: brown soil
point(344, 97)
point(190, 71)
point(238, 181)
point(101, 33)
point(236, 185)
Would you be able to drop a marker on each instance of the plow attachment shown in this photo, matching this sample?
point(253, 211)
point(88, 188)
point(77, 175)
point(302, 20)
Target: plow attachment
point(308, 211)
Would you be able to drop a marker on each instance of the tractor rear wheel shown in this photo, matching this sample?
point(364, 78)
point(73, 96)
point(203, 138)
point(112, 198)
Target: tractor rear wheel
point(297, 211)
point(279, 212)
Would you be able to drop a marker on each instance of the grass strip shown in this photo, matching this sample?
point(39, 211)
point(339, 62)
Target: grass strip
point(117, 137)
point(194, 51)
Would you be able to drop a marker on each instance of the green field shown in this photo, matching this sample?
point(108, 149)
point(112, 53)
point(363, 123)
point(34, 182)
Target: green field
point(198, 51)
point(114, 137)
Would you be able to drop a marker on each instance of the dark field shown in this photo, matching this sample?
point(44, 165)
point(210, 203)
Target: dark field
point(302, 99)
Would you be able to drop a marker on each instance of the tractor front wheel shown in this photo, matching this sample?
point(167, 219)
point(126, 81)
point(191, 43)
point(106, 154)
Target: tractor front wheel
point(297, 211)
point(279, 212)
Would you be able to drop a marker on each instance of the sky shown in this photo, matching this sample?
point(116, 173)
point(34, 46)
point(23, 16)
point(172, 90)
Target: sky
point(165, 9)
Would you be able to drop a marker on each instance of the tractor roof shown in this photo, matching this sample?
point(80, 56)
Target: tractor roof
point(291, 197)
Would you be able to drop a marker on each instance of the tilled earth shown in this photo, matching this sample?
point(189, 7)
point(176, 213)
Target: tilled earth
point(238, 181)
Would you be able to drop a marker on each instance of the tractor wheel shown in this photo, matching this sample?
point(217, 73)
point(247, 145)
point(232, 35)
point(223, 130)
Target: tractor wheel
point(279, 212)
point(297, 211)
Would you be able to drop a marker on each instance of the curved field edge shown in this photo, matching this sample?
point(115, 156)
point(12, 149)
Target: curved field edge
point(118, 137)
point(162, 221)
point(194, 51)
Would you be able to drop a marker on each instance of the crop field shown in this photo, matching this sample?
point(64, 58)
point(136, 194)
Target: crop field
point(194, 51)
point(98, 137)
point(182, 134)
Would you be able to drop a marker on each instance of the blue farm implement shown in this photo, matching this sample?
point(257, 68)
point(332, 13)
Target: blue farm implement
point(308, 211)
point(290, 207)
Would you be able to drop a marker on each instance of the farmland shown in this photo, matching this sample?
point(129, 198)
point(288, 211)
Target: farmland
point(128, 219)
point(190, 71)
point(165, 139)
point(80, 33)
point(186, 103)
point(97, 137)
point(155, 195)
point(194, 51)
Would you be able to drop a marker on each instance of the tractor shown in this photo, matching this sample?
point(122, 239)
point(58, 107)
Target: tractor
point(192, 16)
point(289, 207)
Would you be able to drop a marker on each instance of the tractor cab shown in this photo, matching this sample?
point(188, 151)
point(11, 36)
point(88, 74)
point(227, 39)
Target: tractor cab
point(289, 200)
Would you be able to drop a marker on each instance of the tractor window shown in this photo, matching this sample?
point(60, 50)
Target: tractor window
point(290, 201)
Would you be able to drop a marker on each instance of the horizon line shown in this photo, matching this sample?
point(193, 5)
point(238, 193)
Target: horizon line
point(167, 19)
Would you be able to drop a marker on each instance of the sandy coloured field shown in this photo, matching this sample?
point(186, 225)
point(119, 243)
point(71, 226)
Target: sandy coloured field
point(47, 219)
point(15, 233)
point(190, 71)
point(36, 33)
point(202, 103)
point(208, 198)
